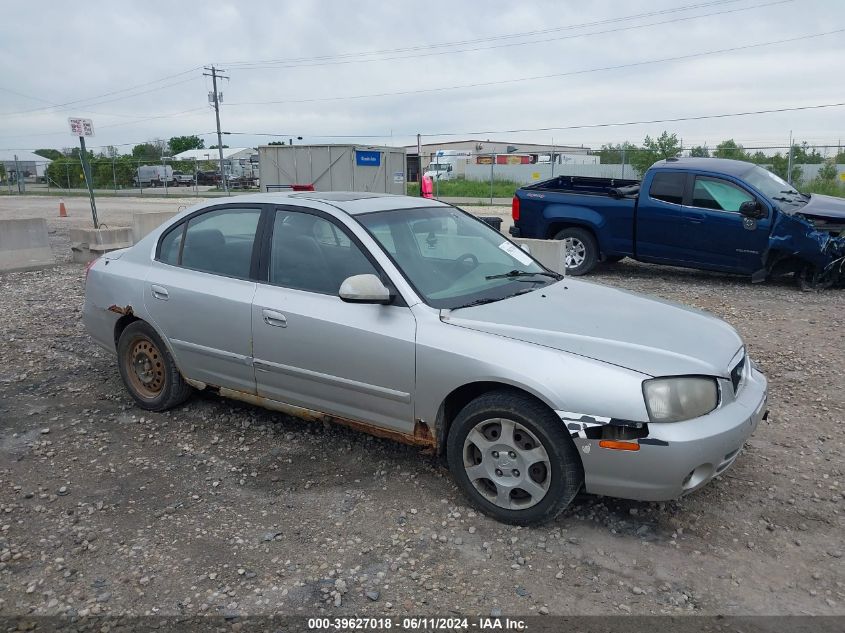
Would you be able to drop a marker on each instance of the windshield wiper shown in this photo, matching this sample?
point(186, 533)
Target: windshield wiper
point(521, 273)
point(478, 302)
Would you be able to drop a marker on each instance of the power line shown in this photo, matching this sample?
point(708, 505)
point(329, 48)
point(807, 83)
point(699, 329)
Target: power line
point(552, 128)
point(350, 57)
point(539, 77)
point(107, 94)
point(628, 123)
point(256, 66)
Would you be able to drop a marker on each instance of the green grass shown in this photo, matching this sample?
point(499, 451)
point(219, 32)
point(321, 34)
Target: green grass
point(469, 189)
point(826, 187)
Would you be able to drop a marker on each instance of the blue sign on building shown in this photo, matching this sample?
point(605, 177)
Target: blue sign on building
point(367, 158)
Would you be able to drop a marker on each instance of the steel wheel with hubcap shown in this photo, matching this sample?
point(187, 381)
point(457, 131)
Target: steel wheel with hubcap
point(513, 457)
point(148, 370)
point(506, 463)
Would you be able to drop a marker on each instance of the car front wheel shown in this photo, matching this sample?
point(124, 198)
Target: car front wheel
point(148, 370)
point(514, 458)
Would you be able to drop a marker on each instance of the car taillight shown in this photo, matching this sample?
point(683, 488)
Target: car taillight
point(515, 209)
point(89, 266)
point(302, 187)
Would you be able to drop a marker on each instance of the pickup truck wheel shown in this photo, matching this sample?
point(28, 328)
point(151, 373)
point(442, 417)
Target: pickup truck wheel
point(580, 250)
point(809, 278)
point(514, 458)
point(148, 370)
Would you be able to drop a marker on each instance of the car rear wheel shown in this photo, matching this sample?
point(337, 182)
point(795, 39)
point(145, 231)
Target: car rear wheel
point(148, 370)
point(809, 278)
point(514, 458)
point(580, 250)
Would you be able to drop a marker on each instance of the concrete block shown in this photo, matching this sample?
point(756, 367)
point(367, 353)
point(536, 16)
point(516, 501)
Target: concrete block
point(89, 244)
point(25, 245)
point(145, 223)
point(548, 252)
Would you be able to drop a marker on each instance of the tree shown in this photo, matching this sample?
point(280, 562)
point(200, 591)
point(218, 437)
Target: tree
point(151, 150)
point(827, 172)
point(276, 143)
point(700, 151)
point(730, 149)
point(215, 147)
point(664, 146)
point(802, 156)
point(780, 166)
point(52, 154)
point(179, 144)
point(613, 154)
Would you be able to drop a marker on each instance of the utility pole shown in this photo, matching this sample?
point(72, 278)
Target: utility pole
point(789, 161)
point(214, 74)
point(419, 162)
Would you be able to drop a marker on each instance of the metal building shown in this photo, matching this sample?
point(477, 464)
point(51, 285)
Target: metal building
point(333, 167)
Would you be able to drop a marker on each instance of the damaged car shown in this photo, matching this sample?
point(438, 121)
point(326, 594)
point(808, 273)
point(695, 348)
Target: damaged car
point(706, 213)
point(412, 320)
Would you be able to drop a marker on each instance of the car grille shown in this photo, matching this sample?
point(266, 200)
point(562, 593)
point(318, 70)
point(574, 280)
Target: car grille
point(736, 373)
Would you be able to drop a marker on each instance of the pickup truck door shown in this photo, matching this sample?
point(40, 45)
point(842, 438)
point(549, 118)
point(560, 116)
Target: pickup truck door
point(719, 236)
point(663, 223)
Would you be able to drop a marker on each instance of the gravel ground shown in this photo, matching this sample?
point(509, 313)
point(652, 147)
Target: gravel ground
point(220, 507)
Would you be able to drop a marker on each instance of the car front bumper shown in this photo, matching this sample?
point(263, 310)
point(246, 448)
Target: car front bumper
point(679, 457)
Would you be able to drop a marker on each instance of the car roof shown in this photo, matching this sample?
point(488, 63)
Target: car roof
point(723, 165)
point(351, 202)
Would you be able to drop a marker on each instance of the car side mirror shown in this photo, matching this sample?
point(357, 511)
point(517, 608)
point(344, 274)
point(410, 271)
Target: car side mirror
point(364, 289)
point(752, 209)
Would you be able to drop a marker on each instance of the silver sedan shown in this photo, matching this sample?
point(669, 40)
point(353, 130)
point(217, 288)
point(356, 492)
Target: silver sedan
point(410, 319)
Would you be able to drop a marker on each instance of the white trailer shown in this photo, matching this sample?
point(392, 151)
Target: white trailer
point(332, 168)
point(153, 175)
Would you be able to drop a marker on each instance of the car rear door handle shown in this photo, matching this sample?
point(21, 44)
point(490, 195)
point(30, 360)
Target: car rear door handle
point(276, 319)
point(159, 292)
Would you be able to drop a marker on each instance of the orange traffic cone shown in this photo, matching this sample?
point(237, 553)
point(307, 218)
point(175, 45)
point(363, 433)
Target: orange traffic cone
point(62, 210)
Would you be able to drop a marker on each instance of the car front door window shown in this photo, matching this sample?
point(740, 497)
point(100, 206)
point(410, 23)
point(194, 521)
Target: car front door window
point(718, 194)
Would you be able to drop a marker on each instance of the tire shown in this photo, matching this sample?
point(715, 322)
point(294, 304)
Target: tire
point(546, 460)
point(148, 370)
point(582, 253)
point(809, 279)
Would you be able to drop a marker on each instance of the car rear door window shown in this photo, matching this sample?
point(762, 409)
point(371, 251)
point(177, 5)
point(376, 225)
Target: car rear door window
point(171, 244)
point(718, 194)
point(668, 187)
point(221, 242)
point(311, 253)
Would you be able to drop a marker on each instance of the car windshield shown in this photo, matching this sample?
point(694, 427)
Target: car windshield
point(773, 186)
point(452, 259)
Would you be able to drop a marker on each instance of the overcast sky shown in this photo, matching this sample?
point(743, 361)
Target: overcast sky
point(59, 57)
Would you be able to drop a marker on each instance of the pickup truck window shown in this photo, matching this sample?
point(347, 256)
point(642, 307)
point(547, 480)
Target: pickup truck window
point(668, 187)
point(714, 193)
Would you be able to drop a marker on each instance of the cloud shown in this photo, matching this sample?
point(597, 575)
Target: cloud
point(60, 54)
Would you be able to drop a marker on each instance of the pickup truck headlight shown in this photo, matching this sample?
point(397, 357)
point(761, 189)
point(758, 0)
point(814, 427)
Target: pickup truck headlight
point(683, 398)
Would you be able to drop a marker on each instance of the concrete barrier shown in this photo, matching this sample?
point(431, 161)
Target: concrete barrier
point(145, 223)
point(548, 252)
point(88, 244)
point(25, 245)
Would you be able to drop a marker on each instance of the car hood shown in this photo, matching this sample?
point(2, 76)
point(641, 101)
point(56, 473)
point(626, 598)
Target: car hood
point(821, 206)
point(644, 334)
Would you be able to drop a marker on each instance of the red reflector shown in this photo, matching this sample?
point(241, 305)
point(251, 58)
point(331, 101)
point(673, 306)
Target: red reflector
point(88, 267)
point(515, 209)
point(302, 187)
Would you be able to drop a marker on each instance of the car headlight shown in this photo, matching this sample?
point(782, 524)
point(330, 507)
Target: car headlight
point(682, 398)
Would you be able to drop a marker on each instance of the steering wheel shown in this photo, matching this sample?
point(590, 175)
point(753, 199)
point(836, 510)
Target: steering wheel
point(466, 262)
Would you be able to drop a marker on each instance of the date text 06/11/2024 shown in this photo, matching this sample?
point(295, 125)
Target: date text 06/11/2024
point(417, 624)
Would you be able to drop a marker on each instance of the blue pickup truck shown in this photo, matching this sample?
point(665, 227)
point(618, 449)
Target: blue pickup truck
point(706, 213)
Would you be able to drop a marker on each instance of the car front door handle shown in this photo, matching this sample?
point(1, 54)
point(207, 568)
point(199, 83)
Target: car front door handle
point(159, 292)
point(276, 319)
point(695, 218)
